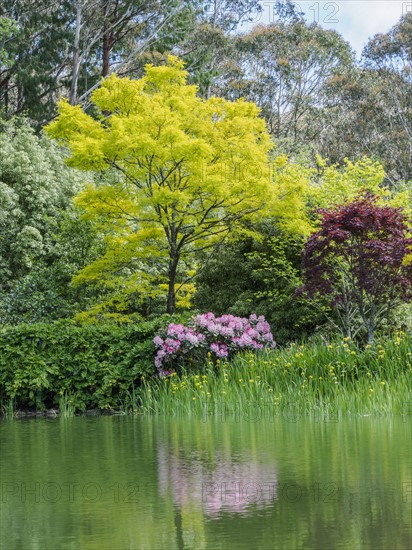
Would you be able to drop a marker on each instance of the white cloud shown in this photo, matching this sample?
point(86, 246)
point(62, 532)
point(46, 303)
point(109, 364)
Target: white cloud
point(362, 19)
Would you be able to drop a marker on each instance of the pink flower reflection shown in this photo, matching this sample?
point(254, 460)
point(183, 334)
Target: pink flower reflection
point(221, 484)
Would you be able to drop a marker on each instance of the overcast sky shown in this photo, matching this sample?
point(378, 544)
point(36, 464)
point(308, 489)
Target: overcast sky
point(356, 20)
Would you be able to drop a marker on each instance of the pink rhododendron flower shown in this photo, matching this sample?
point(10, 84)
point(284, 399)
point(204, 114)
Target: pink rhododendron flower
point(157, 341)
point(221, 336)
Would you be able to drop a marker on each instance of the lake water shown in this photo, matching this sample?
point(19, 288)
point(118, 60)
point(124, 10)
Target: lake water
point(153, 483)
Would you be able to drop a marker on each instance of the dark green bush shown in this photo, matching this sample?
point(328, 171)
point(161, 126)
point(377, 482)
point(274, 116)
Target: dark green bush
point(94, 366)
point(265, 281)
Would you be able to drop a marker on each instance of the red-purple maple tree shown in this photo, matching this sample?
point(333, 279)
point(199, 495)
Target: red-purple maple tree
point(358, 259)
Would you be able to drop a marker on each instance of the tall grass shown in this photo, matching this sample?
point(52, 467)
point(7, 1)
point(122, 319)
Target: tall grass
point(7, 408)
point(67, 405)
point(331, 379)
point(129, 402)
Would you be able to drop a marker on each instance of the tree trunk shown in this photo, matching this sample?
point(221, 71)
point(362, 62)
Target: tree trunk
point(171, 296)
point(76, 55)
point(106, 42)
point(106, 54)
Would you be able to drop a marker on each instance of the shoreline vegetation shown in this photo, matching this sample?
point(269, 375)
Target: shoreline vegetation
point(160, 160)
point(327, 379)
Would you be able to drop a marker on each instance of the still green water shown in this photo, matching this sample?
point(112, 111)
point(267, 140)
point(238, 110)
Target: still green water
point(120, 483)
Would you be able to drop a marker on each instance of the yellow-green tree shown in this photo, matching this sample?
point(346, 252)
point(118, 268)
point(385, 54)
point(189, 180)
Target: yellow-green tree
point(189, 170)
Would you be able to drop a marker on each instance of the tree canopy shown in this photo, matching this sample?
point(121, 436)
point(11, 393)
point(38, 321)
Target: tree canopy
point(186, 173)
point(189, 169)
point(35, 184)
point(359, 257)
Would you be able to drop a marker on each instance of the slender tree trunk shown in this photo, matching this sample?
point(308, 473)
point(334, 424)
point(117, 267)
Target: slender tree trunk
point(106, 42)
point(76, 55)
point(106, 54)
point(171, 296)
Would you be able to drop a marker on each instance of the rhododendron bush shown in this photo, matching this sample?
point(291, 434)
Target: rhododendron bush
point(221, 337)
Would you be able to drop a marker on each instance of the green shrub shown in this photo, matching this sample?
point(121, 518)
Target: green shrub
point(89, 366)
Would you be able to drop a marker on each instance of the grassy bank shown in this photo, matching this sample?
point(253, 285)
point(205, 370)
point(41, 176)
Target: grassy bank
point(329, 379)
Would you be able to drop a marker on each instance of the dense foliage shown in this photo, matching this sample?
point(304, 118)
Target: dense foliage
point(189, 170)
point(94, 366)
point(359, 257)
point(35, 184)
point(267, 276)
point(194, 160)
point(72, 368)
point(313, 93)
